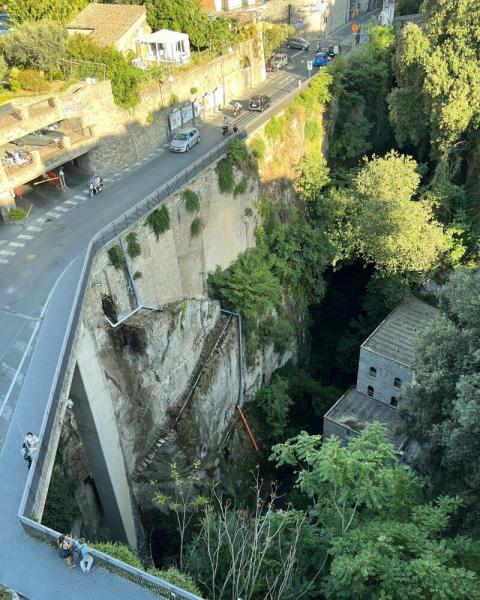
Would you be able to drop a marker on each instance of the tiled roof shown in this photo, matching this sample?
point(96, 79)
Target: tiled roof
point(395, 337)
point(107, 22)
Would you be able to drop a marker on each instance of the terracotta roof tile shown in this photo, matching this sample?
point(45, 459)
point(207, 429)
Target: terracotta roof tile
point(107, 22)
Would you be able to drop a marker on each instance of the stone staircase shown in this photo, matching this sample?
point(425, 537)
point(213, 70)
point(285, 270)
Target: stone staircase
point(213, 341)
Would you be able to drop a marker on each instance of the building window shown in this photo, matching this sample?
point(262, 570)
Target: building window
point(397, 382)
point(394, 401)
point(370, 391)
point(373, 372)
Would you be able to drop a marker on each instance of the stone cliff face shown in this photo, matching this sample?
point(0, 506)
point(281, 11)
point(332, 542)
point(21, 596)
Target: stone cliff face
point(172, 372)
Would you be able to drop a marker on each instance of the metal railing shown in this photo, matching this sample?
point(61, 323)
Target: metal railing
point(26, 512)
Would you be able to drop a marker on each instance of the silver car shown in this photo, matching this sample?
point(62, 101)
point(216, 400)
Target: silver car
point(184, 139)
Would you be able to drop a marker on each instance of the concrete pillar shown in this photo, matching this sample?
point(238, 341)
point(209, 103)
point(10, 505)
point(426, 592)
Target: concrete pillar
point(94, 413)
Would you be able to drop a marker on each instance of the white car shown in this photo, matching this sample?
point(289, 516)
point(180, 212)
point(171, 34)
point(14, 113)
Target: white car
point(184, 139)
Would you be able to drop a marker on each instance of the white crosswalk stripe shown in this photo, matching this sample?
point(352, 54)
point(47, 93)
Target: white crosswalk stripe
point(33, 228)
point(78, 197)
point(62, 209)
point(7, 253)
point(41, 220)
point(25, 237)
point(16, 244)
point(54, 215)
point(2, 260)
point(72, 202)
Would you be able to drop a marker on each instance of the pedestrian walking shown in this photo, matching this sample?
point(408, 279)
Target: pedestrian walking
point(86, 559)
point(61, 176)
point(65, 545)
point(29, 447)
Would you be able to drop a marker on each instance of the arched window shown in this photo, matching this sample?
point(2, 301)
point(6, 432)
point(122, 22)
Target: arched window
point(373, 372)
point(370, 391)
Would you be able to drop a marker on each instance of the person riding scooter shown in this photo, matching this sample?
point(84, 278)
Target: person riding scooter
point(96, 185)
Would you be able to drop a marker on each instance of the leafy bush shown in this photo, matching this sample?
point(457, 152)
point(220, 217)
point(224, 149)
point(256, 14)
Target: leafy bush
point(237, 151)
point(196, 227)
point(17, 214)
point(274, 401)
point(61, 509)
point(31, 81)
point(174, 99)
point(60, 11)
point(133, 247)
point(274, 36)
point(278, 332)
point(178, 578)
point(193, 90)
point(259, 148)
point(248, 286)
point(116, 256)
point(37, 46)
point(120, 551)
point(225, 176)
point(192, 201)
point(159, 221)
point(124, 76)
point(137, 275)
point(241, 187)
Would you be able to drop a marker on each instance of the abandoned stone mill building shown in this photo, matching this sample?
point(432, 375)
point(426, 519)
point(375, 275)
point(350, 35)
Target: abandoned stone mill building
point(385, 369)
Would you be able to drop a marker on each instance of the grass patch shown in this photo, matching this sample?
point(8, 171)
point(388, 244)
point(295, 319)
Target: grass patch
point(192, 201)
point(196, 227)
point(116, 256)
point(225, 176)
point(133, 247)
point(119, 551)
point(237, 151)
point(159, 221)
point(17, 214)
point(241, 187)
point(174, 99)
point(274, 128)
point(258, 148)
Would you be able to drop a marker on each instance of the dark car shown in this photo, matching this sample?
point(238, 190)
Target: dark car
point(298, 43)
point(259, 103)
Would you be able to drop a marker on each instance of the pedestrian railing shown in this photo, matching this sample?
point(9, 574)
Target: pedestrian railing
point(28, 505)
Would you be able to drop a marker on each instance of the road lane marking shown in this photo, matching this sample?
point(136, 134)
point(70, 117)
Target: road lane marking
point(25, 237)
point(78, 197)
point(7, 253)
point(52, 214)
point(61, 209)
point(33, 228)
point(72, 202)
point(2, 260)
point(42, 220)
point(16, 244)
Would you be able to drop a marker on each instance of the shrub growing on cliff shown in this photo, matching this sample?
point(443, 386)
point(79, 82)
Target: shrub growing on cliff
point(196, 227)
point(225, 176)
point(116, 256)
point(133, 247)
point(192, 201)
point(120, 551)
point(182, 580)
point(274, 402)
point(159, 221)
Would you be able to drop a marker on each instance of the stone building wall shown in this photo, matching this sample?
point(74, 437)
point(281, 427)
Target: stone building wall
point(309, 15)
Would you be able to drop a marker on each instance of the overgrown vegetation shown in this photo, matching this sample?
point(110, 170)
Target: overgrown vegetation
point(196, 227)
point(117, 257)
point(191, 200)
point(133, 247)
point(225, 175)
point(159, 221)
point(17, 214)
point(60, 507)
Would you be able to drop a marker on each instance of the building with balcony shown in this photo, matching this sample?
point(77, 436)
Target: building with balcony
point(385, 369)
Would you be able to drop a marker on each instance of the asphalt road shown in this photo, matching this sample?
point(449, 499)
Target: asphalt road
point(60, 225)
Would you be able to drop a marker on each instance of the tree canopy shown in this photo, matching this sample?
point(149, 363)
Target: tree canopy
point(443, 406)
point(61, 11)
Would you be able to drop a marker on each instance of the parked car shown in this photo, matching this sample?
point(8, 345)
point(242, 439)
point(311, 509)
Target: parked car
point(277, 61)
point(34, 139)
point(298, 43)
point(259, 103)
point(184, 139)
point(333, 50)
point(321, 59)
point(54, 135)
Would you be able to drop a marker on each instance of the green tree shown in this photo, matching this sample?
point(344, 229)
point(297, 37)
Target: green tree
point(274, 35)
point(442, 406)
point(61, 11)
point(342, 481)
point(396, 233)
point(248, 286)
point(35, 45)
point(402, 560)
point(274, 401)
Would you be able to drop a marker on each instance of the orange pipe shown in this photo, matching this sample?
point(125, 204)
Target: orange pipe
point(250, 434)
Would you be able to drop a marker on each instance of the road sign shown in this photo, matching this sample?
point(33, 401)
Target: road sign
point(355, 27)
point(309, 65)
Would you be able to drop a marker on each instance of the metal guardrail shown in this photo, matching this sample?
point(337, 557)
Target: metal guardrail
point(26, 512)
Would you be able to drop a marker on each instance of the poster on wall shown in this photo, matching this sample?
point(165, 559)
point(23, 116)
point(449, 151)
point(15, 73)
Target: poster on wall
point(187, 112)
point(175, 119)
